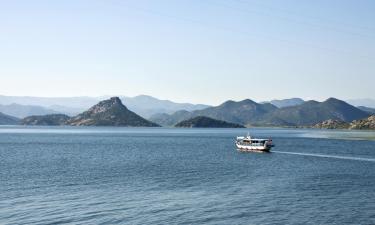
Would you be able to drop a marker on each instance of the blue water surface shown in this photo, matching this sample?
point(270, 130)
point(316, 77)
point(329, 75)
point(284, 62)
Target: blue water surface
point(62, 175)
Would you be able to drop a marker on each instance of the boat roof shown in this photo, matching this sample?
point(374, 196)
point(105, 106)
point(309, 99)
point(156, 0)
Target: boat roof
point(253, 139)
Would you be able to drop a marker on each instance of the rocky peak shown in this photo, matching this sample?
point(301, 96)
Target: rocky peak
point(110, 112)
point(105, 105)
point(115, 99)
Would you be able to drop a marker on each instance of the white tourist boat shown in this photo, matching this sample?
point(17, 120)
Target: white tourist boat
point(253, 144)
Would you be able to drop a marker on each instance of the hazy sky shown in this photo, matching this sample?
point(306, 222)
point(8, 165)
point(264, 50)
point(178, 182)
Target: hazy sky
point(188, 50)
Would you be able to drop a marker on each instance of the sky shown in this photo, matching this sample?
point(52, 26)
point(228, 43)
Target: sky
point(188, 50)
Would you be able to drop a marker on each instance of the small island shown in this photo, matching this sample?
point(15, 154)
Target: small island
point(363, 124)
point(46, 120)
point(332, 124)
point(206, 122)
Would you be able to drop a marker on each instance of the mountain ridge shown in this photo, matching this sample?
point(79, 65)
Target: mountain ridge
point(250, 113)
point(312, 112)
point(7, 119)
point(281, 103)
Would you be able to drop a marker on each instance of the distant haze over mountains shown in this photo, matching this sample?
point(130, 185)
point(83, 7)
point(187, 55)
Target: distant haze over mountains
point(66, 105)
point(147, 106)
point(143, 105)
point(21, 111)
point(71, 102)
point(367, 102)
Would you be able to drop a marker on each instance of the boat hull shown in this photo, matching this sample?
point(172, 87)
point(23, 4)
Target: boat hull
point(249, 148)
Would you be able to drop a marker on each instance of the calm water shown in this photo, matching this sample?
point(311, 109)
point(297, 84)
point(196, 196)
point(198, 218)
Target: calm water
point(184, 176)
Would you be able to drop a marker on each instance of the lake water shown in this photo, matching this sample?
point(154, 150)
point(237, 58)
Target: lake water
point(53, 175)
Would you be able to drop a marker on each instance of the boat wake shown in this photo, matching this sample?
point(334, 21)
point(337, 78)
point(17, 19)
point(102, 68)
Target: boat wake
point(327, 156)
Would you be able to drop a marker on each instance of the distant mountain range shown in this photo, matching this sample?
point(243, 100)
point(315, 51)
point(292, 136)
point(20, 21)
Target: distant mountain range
point(73, 104)
point(22, 111)
point(143, 105)
point(147, 106)
point(250, 113)
point(367, 102)
point(109, 112)
point(312, 112)
point(288, 112)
